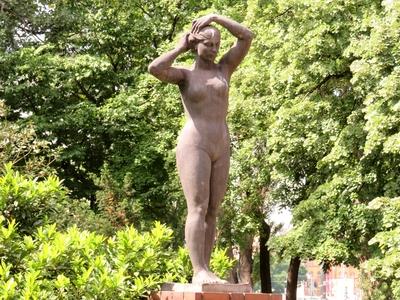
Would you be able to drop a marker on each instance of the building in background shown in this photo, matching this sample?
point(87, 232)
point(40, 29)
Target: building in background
point(339, 283)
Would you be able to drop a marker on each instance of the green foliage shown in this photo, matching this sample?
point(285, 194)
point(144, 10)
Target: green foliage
point(315, 124)
point(74, 67)
point(20, 145)
point(220, 263)
point(78, 264)
point(341, 230)
point(32, 203)
point(279, 269)
point(384, 267)
point(140, 165)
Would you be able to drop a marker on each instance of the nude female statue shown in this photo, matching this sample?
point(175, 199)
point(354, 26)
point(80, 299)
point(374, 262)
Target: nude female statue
point(203, 152)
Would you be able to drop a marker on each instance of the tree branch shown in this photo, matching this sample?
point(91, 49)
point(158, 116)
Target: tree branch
point(155, 43)
point(143, 10)
point(32, 32)
point(113, 63)
point(281, 14)
point(85, 91)
point(172, 31)
point(325, 80)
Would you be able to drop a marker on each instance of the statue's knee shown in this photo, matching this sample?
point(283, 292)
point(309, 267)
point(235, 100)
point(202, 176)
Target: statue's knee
point(212, 213)
point(197, 211)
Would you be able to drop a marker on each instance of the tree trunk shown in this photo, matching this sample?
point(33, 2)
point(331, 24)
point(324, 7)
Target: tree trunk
point(265, 267)
point(246, 261)
point(233, 276)
point(291, 283)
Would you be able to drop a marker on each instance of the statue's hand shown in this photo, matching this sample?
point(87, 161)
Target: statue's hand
point(198, 24)
point(183, 43)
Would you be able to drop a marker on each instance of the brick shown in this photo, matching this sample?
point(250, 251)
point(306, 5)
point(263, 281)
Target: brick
point(154, 296)
point(168, 295)
point(236, 296)
point(177, 296)
point(191, 296)
point(165, 295)
point(215, 296)
point(254, 296)
point(276, 297)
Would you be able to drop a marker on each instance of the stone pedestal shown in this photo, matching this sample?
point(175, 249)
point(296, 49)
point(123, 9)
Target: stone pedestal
point(179, 291)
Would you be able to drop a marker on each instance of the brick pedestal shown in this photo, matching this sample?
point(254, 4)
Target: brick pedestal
point(165, 295)
point(176, 291)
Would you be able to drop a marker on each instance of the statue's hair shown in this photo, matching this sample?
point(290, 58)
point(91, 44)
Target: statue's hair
point(194, 39)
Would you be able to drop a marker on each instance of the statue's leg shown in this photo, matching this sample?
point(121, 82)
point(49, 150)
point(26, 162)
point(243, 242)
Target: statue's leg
point(218, 185)
point(194, 168)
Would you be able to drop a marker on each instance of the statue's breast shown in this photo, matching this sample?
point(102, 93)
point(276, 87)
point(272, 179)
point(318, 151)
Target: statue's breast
point(205, 88)
point(217, 85)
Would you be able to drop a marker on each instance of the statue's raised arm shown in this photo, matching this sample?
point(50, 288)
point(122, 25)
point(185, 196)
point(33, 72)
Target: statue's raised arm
point(244, 36)
point(161, 67)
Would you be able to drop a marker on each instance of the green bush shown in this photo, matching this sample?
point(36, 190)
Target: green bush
point(220, 263)
point(44, 257)
point(78, 264)
point(32, 203)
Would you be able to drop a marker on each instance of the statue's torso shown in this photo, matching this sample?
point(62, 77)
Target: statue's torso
point(205, 98)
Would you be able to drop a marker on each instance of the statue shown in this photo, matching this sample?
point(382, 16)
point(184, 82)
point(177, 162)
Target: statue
point(203, 149)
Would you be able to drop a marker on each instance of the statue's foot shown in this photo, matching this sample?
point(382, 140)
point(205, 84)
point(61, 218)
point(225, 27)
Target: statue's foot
point(205, 276)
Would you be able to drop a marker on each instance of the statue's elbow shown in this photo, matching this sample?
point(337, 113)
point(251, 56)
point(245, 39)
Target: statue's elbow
point(152, 69)
point(249, 35)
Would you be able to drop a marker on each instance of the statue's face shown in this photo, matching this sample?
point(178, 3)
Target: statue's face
point(208, 48)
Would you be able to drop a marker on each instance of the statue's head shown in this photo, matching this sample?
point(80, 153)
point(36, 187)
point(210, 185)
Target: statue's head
point(206, 43)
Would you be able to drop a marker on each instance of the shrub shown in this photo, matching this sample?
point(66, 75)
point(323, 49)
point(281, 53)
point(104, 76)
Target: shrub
point(42, 256)
point(32, 203)
point(78, 264)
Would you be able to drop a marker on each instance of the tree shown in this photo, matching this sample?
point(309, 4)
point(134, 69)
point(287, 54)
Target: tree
point(68, 68)
point(321, 133)
point(322, 84)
